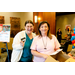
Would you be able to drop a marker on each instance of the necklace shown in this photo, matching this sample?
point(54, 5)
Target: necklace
point(45, 44)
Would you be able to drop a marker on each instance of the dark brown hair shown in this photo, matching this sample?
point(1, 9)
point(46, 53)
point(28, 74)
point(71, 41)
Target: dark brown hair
point(48, 33)
point(29, 21)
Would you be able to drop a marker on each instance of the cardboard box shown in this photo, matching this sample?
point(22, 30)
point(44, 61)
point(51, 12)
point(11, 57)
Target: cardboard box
point(60, 57)
point(50, 59)
point(70, 60)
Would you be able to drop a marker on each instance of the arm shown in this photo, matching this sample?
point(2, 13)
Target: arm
point(34, 49)
point(17, 43)
point(57, 49)
point(57, 44)
point(60, 33)
point(36, 53)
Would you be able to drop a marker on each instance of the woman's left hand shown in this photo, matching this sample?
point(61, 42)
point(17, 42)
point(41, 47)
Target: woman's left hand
point(22, 43)
point(45, 56)
point(56, 49)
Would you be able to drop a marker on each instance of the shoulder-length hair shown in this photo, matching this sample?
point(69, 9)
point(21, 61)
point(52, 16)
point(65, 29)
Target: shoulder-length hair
point(48, 33)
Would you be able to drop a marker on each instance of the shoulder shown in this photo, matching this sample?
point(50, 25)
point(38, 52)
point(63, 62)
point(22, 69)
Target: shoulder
point(53, 36)
point(36, 37)
point(20, 34)
point(33, 34)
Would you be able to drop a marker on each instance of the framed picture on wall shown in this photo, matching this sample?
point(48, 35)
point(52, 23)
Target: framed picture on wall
point(1, 19)
point(15, 25)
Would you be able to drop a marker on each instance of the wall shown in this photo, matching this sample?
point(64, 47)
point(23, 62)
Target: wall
point(22, 15)
point(7, 16)
point(62, 21)
point(26, 16)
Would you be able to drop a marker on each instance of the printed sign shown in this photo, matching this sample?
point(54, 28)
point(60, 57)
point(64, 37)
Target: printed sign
point(5, 32)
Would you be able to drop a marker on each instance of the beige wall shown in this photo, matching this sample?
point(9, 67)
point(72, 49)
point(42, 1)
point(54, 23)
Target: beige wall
point(7, 16)
point(62, 21)
point(26, 16)
point(22, 15)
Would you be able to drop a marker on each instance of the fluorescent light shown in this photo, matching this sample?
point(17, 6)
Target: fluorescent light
point(35, 19)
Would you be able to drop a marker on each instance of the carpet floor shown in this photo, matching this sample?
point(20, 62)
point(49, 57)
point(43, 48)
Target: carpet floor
point(3, 57)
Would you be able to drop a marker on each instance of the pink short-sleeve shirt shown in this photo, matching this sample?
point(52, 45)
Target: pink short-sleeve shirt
point(39, 43)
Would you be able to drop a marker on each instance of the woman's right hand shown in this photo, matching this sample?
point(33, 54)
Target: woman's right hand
point(45, 56)
point(22, 43)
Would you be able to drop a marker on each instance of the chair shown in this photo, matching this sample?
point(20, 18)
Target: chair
point(69, 48)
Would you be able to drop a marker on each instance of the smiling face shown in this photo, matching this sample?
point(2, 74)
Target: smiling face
point(29, 28)
point(44, 29)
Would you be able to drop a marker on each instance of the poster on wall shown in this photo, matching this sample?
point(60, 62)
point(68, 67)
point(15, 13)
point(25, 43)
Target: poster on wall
point(5, 32)
point(67, 26)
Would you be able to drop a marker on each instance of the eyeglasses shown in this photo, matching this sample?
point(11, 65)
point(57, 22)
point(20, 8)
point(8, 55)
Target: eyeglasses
point(29, 26)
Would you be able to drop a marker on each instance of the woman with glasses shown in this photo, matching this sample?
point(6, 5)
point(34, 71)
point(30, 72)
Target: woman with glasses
point(21, 44)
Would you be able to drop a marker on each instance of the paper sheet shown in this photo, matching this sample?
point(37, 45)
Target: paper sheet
point(56, 52)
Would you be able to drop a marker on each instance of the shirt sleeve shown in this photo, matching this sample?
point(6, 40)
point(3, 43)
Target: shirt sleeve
point(57, 44)
point(16, 43)
point(34, 44)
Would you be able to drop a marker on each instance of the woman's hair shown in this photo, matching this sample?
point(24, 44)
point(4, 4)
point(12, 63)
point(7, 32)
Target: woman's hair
point(29, 21)
point(59, 28)
point(48, 33)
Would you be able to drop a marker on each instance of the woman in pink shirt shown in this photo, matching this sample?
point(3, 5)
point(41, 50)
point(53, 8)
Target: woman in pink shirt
point(44, 44)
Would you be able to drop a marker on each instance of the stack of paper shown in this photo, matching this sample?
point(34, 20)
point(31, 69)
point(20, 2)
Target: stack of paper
point(54, 53)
